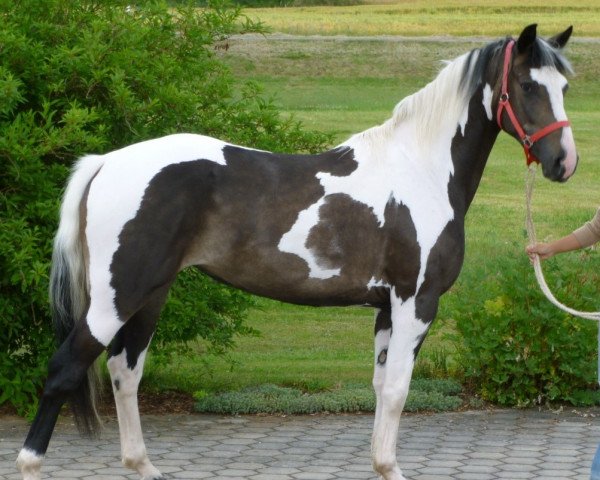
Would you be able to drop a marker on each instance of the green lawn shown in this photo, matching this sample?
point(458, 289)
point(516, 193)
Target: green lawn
point(345, 86)
point(442, 17)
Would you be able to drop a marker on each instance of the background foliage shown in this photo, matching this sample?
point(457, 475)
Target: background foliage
point(429, 395)
point(517, 348)
point(90, 76)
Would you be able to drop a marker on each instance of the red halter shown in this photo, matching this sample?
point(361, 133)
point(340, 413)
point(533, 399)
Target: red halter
point(504, 104)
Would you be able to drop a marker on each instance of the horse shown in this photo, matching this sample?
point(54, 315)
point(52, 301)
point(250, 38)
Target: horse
point(377, 221)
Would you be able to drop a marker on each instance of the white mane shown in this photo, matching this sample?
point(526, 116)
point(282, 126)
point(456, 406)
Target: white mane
point(438, 105)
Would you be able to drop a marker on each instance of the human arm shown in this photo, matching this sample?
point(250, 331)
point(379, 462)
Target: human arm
point(589, 233)
point(585, 236)
point(549, 249)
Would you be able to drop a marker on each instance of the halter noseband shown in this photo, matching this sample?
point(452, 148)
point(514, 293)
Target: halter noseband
point(504, 104)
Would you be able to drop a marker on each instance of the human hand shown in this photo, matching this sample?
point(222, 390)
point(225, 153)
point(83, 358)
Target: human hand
point(543, 250)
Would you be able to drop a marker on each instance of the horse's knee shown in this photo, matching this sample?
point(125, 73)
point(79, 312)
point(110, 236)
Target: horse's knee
point(394, 397)
point(377, 385)
point(125, 380)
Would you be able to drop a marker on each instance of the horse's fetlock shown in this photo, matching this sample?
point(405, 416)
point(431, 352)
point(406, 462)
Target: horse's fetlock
point(29, 464)
point(385, 467)
point(133, 461)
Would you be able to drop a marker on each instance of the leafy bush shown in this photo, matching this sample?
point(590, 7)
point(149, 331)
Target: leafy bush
point(517, 348)
point(430, 395)
point(81, 76)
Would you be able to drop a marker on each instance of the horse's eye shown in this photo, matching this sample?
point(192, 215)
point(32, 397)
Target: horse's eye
point(528, 87)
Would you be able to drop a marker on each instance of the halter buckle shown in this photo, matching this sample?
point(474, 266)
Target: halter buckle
point(527, 142)
point(504, 97)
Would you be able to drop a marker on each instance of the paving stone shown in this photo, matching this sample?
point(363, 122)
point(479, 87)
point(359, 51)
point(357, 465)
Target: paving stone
point(477, 445)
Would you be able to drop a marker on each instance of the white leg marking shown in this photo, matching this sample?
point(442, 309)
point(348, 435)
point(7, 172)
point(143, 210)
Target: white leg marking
point(382, 340)
point(29, 463)
point(125, 386)
point(398, 371)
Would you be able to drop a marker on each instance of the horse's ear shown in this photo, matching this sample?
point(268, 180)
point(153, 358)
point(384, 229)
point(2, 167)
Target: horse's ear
point(560, 40)
point(526, 38)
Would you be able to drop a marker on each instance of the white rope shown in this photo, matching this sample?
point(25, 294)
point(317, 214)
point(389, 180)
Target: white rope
point(537, 264)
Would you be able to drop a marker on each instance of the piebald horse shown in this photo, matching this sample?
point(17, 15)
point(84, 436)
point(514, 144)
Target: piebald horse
point(378, 221)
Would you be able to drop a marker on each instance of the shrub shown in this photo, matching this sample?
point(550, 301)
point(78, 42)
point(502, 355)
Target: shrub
point(517, 348)
point(430, 395)
point(82, 76)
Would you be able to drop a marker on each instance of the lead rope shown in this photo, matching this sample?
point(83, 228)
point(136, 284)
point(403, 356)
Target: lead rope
point(537, 264)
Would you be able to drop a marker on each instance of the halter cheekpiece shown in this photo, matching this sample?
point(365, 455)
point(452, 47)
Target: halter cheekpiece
point(504, 104)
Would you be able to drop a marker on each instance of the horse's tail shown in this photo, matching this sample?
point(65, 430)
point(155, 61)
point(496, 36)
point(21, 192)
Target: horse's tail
point(69, 295)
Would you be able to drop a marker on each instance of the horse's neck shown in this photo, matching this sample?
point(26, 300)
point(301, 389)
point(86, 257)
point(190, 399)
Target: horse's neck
point(471, 150)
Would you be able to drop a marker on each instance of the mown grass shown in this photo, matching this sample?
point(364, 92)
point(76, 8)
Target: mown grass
point(345, 86)
point(423, 17)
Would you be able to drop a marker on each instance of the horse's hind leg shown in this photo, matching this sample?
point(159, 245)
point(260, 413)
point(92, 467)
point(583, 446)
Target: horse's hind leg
point(66, 372)
point(125, 364)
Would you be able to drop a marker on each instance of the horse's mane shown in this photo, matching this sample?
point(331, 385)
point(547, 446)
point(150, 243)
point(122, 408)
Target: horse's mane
point(442, 102)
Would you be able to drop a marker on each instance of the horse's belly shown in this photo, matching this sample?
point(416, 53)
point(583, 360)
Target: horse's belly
point(288, 283)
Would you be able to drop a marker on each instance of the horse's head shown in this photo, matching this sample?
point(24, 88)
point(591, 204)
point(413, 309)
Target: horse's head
point(530, 101)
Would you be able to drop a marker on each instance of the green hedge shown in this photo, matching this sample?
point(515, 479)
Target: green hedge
point(85, 76)
point(517, 348)
point(424, 395)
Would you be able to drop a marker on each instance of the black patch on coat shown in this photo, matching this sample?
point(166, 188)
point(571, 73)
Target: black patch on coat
point(228, 217)
point(135, 335)
point(349, 237)
point(117, 384)
point(383, 320)
point(228, 220)
point(382, 357)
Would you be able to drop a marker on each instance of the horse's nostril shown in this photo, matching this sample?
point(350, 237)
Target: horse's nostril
point(559, 168)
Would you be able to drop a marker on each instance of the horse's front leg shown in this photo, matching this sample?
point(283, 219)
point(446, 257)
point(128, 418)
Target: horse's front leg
point(393, 370)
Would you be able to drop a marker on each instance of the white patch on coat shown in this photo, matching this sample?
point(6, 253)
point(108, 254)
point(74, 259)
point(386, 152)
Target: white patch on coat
point(487, 101)
point(373, 283)
point(554, 82)
point(407, 159)
point(399, 169)
point(294, 242)
point(114, 198)
point(462, 122)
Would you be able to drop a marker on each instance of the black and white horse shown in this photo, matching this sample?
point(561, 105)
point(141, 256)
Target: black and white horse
point(377, 221)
